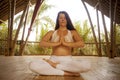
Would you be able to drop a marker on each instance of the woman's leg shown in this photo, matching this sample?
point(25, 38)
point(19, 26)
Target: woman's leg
point(74, 66)
point(43, 68)
point(66, 73)
point(71, 66)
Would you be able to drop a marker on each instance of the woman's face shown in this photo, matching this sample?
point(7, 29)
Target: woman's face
point(62, 20)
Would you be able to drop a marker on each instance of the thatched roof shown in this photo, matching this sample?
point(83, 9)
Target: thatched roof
point(105, 6)
point(20, 4)
point(4, 7)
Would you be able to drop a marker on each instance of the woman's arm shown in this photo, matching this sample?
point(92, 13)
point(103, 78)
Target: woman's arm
point(45, 42)
point(78, 41)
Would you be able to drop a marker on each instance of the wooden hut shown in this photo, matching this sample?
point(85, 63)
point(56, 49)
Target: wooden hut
point(16, 67)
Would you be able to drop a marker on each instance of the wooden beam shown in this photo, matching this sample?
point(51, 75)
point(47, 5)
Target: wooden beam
point(98, 24)
point(2, 21)
point(18, 29)
point(9, 23)
point(19, 7)
point(105, 30)
point(111, 29)
point(38, 4)
point(94, 35)
point(12, 4)
point(113, 32)
point(22, 40)
point(106, 36)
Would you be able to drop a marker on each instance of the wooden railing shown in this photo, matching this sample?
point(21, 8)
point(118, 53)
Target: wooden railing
point(33, 48)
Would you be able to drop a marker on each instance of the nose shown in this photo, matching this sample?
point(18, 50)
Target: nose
point(62, 19)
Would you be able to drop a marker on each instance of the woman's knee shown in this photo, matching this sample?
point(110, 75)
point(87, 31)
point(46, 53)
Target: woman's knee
point(32, 66)
point(87, 67)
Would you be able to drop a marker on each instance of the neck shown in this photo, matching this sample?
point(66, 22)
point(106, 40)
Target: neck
point(62, 28)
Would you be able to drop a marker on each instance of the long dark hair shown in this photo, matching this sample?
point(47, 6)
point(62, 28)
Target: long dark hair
point(69, 23)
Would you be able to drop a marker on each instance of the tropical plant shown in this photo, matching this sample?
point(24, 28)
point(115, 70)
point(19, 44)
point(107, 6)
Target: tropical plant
point(86, 33)
point(4, 37)
point(117, 40)
point(117, 34)
point(41, 24)
point(41, 19)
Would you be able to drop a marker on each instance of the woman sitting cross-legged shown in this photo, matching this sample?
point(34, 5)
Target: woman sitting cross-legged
point(62, 40)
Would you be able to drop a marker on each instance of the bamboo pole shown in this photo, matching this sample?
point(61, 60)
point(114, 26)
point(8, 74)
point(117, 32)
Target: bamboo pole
point(18, 29)
point(106, 36)
point(114, 27)
point(12, 4)
point(9, 23)
point(98, 24)
point(38, 4)
point(111, 29)
point(12, 22)
point(22, 40)
point(92, 28)
point(105, 30)
point(3, 20)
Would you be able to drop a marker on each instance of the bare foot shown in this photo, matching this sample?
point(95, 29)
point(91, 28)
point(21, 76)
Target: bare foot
point(51, 63)
point(71, 74)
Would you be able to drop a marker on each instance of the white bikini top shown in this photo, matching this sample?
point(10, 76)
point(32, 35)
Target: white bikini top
point(68, 37)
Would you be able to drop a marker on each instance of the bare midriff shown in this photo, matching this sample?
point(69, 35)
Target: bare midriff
point(61, 51)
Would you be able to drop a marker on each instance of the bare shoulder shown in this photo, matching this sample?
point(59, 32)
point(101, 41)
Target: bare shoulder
point(50, 32)
point(76, 35)
point(47, 36)
point(74, 32)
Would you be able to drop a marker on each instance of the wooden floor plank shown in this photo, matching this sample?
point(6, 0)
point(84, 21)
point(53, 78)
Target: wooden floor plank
point(16, 68)
point(57, 78)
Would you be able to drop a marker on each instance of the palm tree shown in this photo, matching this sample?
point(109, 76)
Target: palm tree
point(41, 19)
point(44, 7)
point(41, 24)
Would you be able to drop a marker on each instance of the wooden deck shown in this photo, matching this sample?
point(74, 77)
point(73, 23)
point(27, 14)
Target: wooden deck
point(16, 68)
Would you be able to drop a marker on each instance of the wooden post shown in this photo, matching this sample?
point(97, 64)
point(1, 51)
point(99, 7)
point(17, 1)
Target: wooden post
point(106, 36)
point(114, 26)
point(18, 29)
point(92, 28)
point(98, 29)
point(22, 40)
point(38, 4)
point(12, 4)
point(105, 30)
point(111, 28)
point(9, 23)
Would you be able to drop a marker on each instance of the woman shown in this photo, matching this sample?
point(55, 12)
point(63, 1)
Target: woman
point(62, 40)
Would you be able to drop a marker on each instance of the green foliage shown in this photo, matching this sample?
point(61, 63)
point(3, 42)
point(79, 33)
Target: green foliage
point(3, 31)
point(44, 30)
point(41, 24)
point(3, 37)
point(35, 49)
point(44, 7)
point(117, 34)
point(84, 31)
